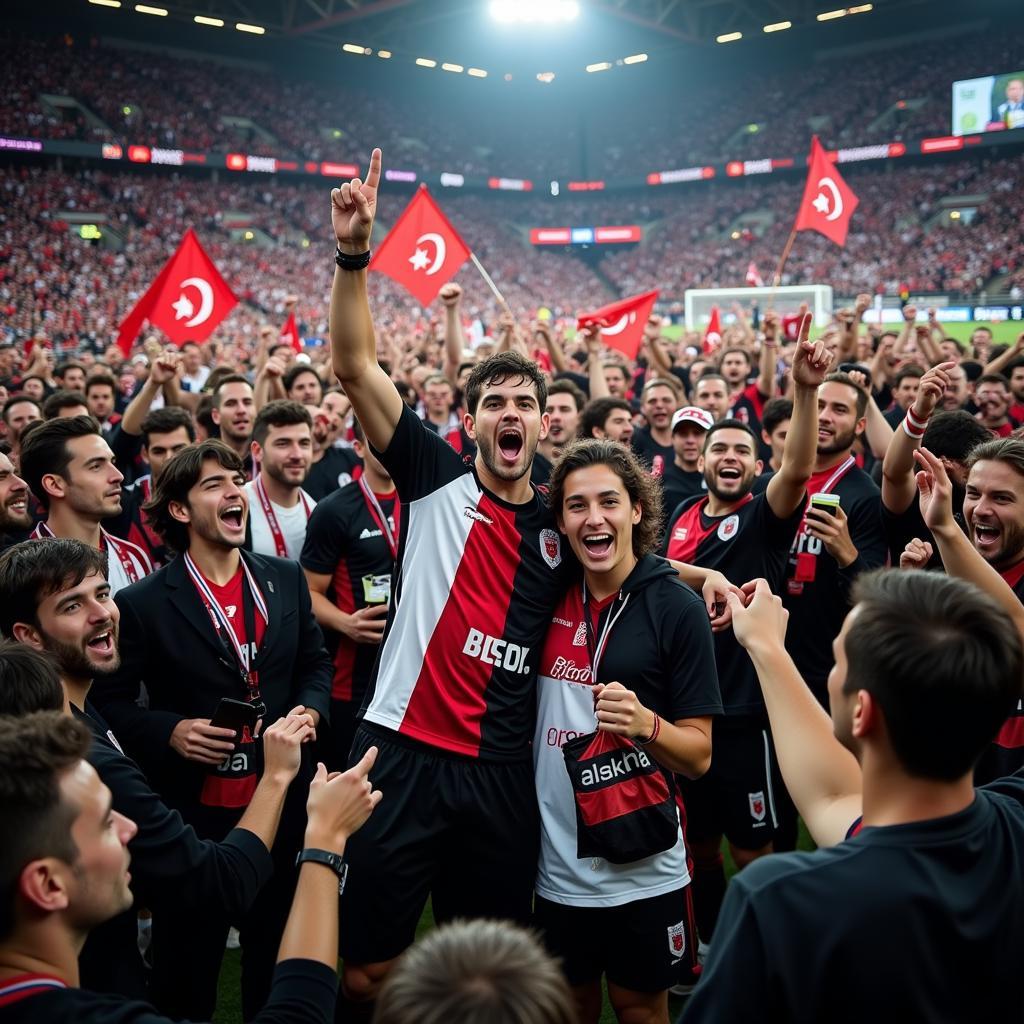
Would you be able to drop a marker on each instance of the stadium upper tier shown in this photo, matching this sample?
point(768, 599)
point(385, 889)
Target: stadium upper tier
point(272, 239)
point(130, 96)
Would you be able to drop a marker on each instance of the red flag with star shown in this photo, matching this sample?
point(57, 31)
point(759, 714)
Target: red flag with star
point(622, 323)
point(422, 251)
point(187, 300)
point(713, 332)
point(828, 202)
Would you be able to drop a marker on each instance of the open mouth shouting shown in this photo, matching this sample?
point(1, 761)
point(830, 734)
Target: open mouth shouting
point(599, 545)
point(987, 537)
point(102, 643)
point(233, 517)
point(510, 444)
point(729, 475)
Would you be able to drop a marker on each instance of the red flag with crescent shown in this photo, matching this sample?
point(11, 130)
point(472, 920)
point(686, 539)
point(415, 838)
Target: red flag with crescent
point(622, 323)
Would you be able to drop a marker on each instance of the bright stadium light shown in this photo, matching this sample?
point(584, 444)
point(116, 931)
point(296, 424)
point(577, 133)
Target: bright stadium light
point(201, 19)
point(778, 26)
point(256, 30)
point(832, 15)
point(106, 3)
point(527, 11)
point(729, 37)
point(384, 54)
point(636, 58)
point(546, 77)
point(456, 68)
point(477, 73)
point(861, 9)
point(602, 66)
point(160, 12)
point(355, 48)
point(426, 62)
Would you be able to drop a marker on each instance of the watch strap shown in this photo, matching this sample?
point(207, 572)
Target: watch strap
point(334, 861)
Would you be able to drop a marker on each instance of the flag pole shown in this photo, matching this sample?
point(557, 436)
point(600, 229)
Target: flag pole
point(777, 280)
point(490, 283)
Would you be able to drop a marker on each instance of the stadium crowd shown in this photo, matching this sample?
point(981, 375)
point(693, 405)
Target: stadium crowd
point(486, 613)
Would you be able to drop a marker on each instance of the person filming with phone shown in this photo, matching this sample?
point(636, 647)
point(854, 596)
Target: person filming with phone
point(215, 623)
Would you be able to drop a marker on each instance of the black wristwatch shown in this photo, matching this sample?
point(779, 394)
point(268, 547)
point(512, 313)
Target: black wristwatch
point(349, 261)
point(332, 860)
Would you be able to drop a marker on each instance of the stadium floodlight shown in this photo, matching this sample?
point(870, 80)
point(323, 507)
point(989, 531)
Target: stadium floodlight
point(454, 68)
point(201, 19)
point(729, 37)
point(861, 9)
point(602, 66)
point(547, 77)
point(256, 30)
point(477, 72)
point(636, 58)
point(778, 26)
point(106, 3)
point(355, 48)
point(160, 12)
point(533, 11)
point(426, 62)
point(384, 54)
point(832, 15)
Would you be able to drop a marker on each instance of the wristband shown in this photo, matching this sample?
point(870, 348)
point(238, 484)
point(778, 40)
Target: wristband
point(914, 426)
point(913, 434)
point(654, 732)
point(359, 261)
point(334, 861)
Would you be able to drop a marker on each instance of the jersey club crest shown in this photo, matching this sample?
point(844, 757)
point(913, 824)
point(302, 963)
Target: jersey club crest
point(551, 548)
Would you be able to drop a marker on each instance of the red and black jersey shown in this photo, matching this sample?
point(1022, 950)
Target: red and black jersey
point(1005, 754)
point(817, 590)
point(133, 524)
point(649, 452)
point(747, 543)
point(476, 581)
point(748, 407)
point(345, 541)
point(336, 468)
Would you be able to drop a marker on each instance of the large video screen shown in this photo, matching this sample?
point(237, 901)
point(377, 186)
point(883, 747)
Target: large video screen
point(992, 104)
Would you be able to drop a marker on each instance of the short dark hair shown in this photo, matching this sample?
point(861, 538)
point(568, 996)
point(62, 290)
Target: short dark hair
point(1009, 450)
point(907, 371)
point(179, 476)
point(63, 368)
point(710, 374)
point(35, 569)
point(295, 371)
point(954, 435)
point(45, 450)
point(500, 368)
point(14, 400)
point(839, 377)
point(641, 487)
point(166, 420)
point(228, 378)
point(776, 411)
point(733, 351)
point(567, 387)
point(204, 415)
point(671, 383)
point(474, 971)
point(100, 378)
point(596, 413)
point(62, 399)
point(29, 680)
point(731, 423)
point(944, 662)
point(994, 378)
point(35, 751)
point(282, 412)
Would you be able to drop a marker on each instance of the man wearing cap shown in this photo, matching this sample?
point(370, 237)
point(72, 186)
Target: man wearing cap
point(682, 477)
point(746, 536)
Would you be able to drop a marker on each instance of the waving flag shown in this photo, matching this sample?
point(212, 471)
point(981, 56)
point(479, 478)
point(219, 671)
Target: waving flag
point(713, 332)
point(622, 323)
point(828, 202)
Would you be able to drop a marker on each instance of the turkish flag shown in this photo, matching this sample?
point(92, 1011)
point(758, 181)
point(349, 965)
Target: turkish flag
point(828, 202)
point(422, 251)
point(187, 300)
point(622, 323)
point(290, 333)
point(713, 333)
point(753, 278)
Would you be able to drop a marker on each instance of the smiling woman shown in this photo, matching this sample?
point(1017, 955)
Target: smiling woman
point(628, 653)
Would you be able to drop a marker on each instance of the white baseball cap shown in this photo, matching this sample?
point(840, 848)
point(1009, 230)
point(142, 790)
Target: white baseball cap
point(691, 414)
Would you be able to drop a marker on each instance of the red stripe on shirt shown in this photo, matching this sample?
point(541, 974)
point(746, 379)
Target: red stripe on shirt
point(622, 798)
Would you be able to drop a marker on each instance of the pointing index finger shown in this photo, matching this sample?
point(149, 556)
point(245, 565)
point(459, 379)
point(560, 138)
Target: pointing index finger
point(373, 173)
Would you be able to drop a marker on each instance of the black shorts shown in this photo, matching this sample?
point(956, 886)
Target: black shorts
point(645, 946)
point(462, 831)
point(742, 795)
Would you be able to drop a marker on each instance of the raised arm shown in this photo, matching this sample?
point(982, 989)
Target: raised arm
point(877, 431)
point(454, 342)
point(786, 488)
point(909, 316)
point(822, 776)
point(769, 354)
point(898, 486)
point(164, 369)
point(269, 383)
point(353, 348)
point(1001, 362)
point(956, 551)
point(551, 346)
point(595, 365)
